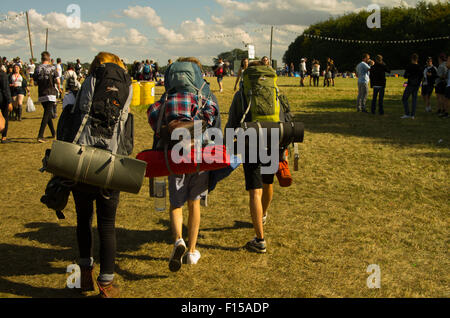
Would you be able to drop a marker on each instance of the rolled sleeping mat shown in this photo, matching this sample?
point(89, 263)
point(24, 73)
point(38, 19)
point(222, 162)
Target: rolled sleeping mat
point(214, 157)
point(290, 132)
point(96, 167)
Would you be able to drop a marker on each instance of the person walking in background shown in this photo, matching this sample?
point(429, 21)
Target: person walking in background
point(46, 78)
point(441, 83)
point(378, 83)
point(60, 70)
point(19, 88)
point(219, 72)
point(429, 78)
point(363, 71)
point(244, 65)
point(303, 72)
point(414, 74)
point(5, 104)
point(30, 71)
point(315, 73)
point(78, 69)
point(292, 70)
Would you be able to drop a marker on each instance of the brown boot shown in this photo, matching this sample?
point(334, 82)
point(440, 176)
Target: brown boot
point(108, 290)
point(87, 278)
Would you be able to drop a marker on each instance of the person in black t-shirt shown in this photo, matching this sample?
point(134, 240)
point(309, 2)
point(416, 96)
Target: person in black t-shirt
point(414, 75)
point(429, 78)
point(49, 85)
point(378, 83)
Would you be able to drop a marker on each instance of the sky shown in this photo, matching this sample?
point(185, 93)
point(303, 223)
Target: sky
point(165, 29)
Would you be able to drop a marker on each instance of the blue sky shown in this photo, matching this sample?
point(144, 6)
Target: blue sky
point(166, 29)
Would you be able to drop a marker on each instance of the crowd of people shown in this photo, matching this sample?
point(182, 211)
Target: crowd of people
point(147, 70)
point(428, 78)
point(314, 72)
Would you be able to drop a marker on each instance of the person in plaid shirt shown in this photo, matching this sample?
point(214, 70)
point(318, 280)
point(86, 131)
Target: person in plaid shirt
point(185, 106)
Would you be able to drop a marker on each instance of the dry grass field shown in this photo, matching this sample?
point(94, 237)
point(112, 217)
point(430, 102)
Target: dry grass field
point(370, 190)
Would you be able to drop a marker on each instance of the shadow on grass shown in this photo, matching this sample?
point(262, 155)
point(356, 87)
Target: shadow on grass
point(237, 225)
point(426, 129)
point(23, 140)
point(16, 260)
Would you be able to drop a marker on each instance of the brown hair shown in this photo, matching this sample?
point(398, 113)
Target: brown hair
point(190, 59)
point(255, 63)
point(365, 55)
point(379, 58)
point(45, 56)
point(415, 57)
point(103, 58)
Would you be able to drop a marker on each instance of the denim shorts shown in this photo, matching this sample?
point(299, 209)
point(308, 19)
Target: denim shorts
point(187, 187)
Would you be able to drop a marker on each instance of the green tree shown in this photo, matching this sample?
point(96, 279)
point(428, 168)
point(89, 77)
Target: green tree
point(426, 20)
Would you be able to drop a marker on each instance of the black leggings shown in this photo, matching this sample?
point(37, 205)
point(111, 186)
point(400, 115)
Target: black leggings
point(47, 119)
point(106, 217)
point(5, 115)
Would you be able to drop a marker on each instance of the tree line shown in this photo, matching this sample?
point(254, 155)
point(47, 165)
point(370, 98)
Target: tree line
point(426, 20)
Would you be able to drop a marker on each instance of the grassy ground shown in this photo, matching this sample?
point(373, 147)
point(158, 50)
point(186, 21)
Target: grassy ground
point(370, 190)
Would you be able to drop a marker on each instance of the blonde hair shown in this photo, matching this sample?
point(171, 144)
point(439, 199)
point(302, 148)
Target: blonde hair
point(190, 59)
point(103, 58)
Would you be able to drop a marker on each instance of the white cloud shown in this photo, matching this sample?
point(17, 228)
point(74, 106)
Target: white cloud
point(135, 37)
point(146, 13)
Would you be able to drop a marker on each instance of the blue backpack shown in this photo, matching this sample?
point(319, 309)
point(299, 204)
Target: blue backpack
point(147, 69)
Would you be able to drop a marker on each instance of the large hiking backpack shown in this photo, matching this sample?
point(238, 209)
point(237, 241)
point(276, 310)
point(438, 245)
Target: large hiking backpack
point(260, 92)
point(186, 77)
point(100, 116)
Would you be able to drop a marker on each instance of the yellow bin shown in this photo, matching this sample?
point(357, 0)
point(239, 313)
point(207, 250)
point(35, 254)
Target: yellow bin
point(147, 93)
point(136, 100)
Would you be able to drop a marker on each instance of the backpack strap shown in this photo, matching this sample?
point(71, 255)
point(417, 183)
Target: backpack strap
point(248, 107)
point(161, 117)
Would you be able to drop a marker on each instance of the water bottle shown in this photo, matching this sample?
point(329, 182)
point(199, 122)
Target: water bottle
point(160, 194)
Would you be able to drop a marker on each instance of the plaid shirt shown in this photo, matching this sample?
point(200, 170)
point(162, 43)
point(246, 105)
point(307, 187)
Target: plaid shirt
point(183, 107)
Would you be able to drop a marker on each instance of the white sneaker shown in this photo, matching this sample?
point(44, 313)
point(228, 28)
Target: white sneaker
point(264, 220)
point(177, 254)
point(412, 117)
point(192, 258)
point(405, 117)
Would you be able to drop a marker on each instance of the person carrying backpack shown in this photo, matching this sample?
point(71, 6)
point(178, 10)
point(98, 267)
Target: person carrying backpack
point(147, 71)
point(251, 107)
point(187, 98)
point(72, 86)
point(100, 118)
point(46, 78)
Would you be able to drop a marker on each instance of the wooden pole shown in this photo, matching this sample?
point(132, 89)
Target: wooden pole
point(271, 42)
point(29, 36)
point(46, 40)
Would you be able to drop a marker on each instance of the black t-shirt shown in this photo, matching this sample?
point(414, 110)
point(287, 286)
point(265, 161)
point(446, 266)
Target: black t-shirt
point(414, 74)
